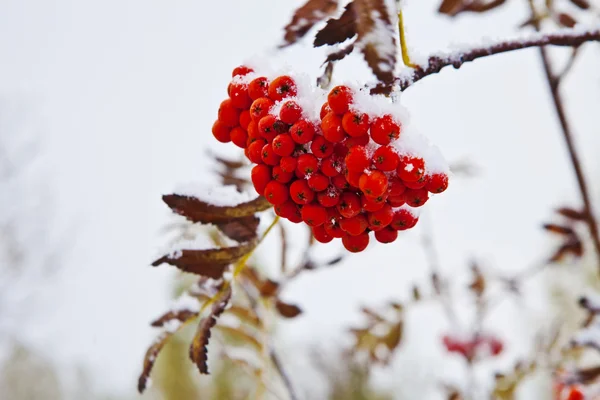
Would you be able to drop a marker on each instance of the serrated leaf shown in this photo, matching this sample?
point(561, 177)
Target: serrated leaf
point(181, 316)
point(240, 335)
point(287, 310)
point(566, 20)
point(198, 349)
point(197, 210)
point(376, 38)
point(305, 17)
point(338, 30)
point(241, 229)
point(572, 214)
point(210, 263)
point(559, 229)
point(153, 351)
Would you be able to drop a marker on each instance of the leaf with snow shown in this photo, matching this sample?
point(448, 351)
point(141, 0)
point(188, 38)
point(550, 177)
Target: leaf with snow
point(376, 38)
point(241, 229)
point(155, 348)
point(168, 317)
point(210, 263)
point(198, 349)
point(305, 17)
point(338, 30)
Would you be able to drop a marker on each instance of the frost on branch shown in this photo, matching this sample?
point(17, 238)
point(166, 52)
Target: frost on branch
point(305, 17)
point(198, 348)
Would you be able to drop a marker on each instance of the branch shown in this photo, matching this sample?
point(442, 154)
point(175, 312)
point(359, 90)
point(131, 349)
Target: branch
point(435, 63)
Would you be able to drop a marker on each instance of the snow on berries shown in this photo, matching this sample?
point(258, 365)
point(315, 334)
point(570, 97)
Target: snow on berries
point(343, 162)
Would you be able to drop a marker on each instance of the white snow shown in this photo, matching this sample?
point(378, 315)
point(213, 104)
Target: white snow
point(172, 325)
point(217, 195)
point(185, 302)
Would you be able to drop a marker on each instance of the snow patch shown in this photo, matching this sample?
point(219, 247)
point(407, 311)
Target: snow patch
point(222, 196)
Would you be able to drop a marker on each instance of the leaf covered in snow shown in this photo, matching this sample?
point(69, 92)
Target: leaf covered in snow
point(376, 38)
point(305, 17)
point(210, 263)
point(198, 349)
point(338, 30)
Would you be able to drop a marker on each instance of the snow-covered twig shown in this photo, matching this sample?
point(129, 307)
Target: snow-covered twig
point(435, 63)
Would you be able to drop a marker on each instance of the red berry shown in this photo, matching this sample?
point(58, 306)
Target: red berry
point(325, 109)
point(355, 124)
point(239, 137)
point(357, 159)
point(386, 235)
point(281, 176)
point(307, 165)
point(260, 176)
point(385, 158)
point(496, 346)
point(289, 210)
point(302, 131)
point(354, 226)
point(260, 108)
point(420, 184)
point(314, 214)
point(395, 186)
point(332, 225)
point(438, 183)
point(290, 112)
point(328, 197)
point(384, 130)
point(228, 114)
point(288, 164)
point(349, 205)
point(416, 197)
point(281, 87)
point(321, 148)
point(276, 193)
point(318, 182)
point(266, 128)
point(353, 178)
point(258, 88)
point(411, 169)
point(268, 156)
point(371, 204)
point(381, 218)
point(238, 93)
point(221, 132)
point(340, 149)
point(339, 99)
point(356, 244)
point(241, 70)
point(340, 182)
point(301, 193)
point(403, 219)
point(253, 131)
point(331, 166)
point(245, 119)
point(321, 235)
point(575, 394)
point(331, 125)
point(255, 151)
point(283, 145)
point(396, 201)
point(373, 183)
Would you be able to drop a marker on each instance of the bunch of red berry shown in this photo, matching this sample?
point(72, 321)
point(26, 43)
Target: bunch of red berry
point(471, 347)
point(344, 171)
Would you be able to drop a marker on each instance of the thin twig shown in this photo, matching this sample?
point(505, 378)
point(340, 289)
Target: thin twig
point(567, 37)
point(553, 84)
point(284, 246)
point(569, 64)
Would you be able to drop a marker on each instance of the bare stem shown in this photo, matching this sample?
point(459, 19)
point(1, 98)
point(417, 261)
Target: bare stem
point(567, 38)
point(284, 376)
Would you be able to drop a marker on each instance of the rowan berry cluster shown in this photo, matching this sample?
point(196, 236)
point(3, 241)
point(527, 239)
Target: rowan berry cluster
point(471, 347)
point(343, 175)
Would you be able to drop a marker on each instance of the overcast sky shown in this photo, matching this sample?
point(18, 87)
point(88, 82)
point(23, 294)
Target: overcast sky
point(124, 93)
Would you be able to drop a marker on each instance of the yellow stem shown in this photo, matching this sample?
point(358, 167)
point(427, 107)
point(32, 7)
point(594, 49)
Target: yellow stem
point(403, 47)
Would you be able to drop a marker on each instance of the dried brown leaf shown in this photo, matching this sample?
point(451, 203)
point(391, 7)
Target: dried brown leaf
point(268, 288)
point(588, 375)
point(451, 7)
point(583, 4)
point(572, 214)
point(181, 315)
point(376, 38)
point(241, 229)
point(197, 210)
point(210, 263)
point(566, 20)
point(198, 349)
point(572, 247)
point(305, 17)
point(229, 164)
point(394, 336)
point(287, 310)
point(154, 350)
point(372, 315)
point(416, 293)
point(455, 7)
point(478, 284)
point(483, 6)
point(559, 229)
point(338, 30)
point(241, 336)
point(245, 315)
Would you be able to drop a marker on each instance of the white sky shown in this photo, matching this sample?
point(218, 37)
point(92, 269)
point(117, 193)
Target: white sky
point(126, 92)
